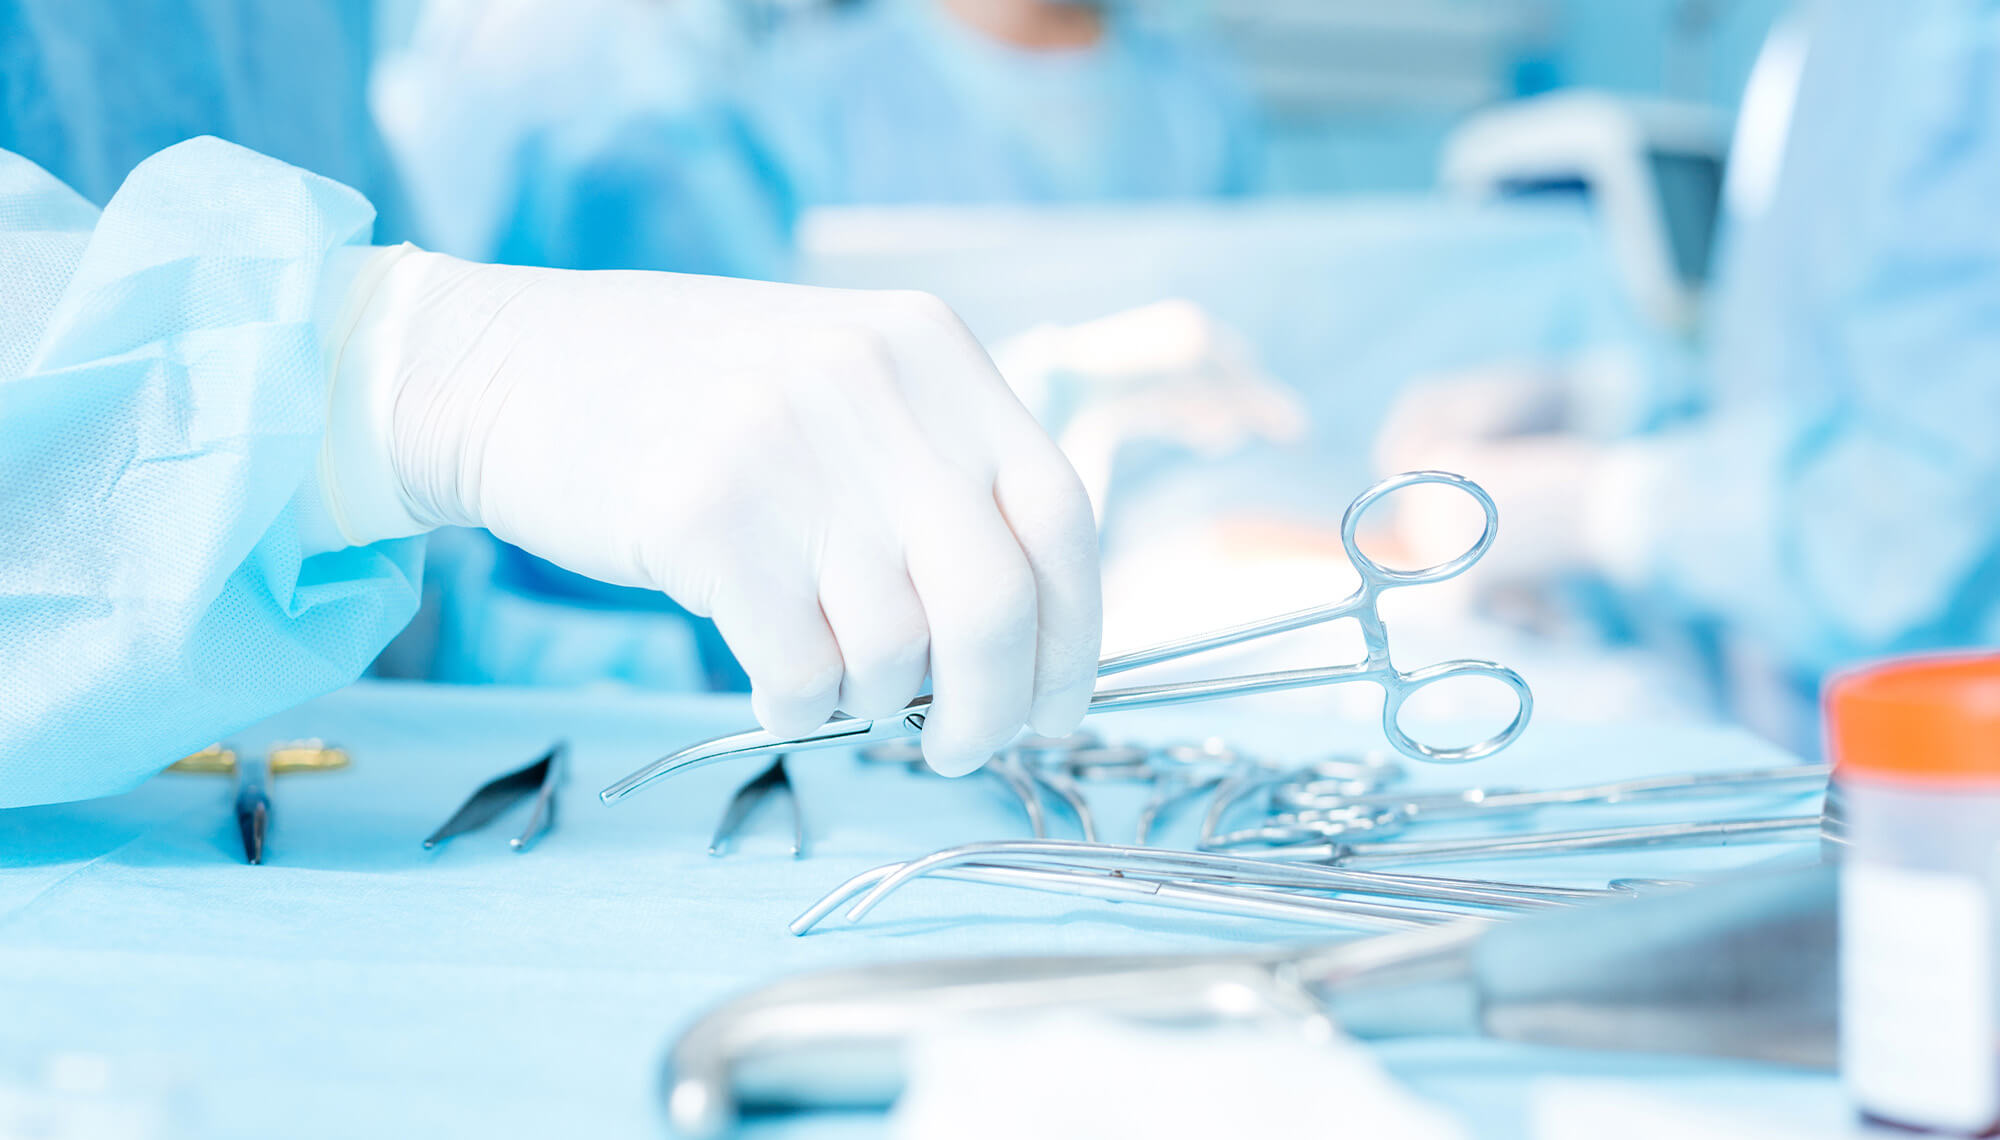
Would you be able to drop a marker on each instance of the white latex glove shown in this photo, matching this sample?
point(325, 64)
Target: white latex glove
point(1165, 372)
point(1500, 429)
point(839, 478)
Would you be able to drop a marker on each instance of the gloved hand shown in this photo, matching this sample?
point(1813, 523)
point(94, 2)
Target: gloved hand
point(1503, 430)
point(839, 478)
point(1165, 372)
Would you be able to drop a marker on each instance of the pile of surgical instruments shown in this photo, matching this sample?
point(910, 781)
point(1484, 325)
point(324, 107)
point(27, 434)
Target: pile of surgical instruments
point(1040, 771)
point(1326, 842)
point(1323, 843)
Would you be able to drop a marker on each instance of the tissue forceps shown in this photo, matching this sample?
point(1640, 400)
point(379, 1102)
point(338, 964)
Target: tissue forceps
point(535, 781)
point(1362, 605)
point(773, 782)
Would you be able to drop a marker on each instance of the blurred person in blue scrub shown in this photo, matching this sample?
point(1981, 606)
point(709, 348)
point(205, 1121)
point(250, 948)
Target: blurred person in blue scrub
point(1837, 496)
point(587, 134)
point(915, 101)
point(226, 417)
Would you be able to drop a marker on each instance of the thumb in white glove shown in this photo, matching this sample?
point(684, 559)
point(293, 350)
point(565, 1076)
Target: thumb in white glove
point(839, 478)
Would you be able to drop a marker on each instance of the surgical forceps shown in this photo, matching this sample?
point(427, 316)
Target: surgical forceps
point(773, 782)
point(537, 779)
point(1362, 605)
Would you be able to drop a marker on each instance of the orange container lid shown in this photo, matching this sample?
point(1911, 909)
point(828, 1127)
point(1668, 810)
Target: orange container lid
point(1921, 719)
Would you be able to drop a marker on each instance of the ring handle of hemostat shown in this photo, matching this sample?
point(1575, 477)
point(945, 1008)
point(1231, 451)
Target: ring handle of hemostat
point(1373, 572)
point(1397, 686)
point(1398, 689)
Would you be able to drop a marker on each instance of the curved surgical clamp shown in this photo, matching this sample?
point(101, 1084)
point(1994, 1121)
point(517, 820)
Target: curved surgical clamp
point(1419, 894)
point(1362, 605)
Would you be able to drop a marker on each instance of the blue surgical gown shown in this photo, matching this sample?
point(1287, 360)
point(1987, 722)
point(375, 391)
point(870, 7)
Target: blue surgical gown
point(895, 102)
point(1840, 498)
point(589, 134)
point(161, 384)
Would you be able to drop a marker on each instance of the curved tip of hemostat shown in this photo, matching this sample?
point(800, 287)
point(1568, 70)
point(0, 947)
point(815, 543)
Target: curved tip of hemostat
point(693, 756)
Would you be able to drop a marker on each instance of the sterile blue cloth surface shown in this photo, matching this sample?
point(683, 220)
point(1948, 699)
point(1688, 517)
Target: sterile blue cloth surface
point(358, 985)
point(896, 101)
point(162, 399)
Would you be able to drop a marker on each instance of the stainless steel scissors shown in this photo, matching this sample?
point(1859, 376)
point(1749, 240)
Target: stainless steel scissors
point(1362, 605)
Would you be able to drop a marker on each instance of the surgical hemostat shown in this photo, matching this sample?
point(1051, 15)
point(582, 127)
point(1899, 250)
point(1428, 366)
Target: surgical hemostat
point(1362, 605)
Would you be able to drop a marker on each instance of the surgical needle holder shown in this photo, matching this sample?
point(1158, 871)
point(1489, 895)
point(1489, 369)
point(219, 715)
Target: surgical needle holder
point(253, 776)
point(1362, 605)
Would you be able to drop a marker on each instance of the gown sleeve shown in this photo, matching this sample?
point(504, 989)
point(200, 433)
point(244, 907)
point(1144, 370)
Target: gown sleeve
point(1842, 498)
point(163, 388)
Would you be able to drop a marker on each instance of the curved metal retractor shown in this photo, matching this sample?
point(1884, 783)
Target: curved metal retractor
point(1362, 605)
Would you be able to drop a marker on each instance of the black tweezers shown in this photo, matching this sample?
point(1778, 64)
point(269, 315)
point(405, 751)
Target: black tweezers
point(538, 779)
